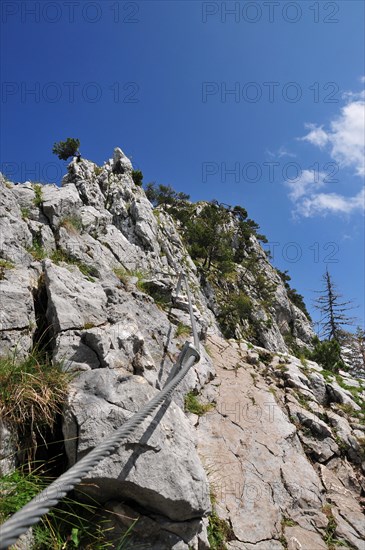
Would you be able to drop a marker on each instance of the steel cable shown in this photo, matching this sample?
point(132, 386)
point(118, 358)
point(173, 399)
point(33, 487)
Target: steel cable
point(32, 512)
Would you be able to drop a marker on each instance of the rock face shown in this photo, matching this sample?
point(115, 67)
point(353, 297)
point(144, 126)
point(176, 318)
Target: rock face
point(283, 477)
point(94, 266)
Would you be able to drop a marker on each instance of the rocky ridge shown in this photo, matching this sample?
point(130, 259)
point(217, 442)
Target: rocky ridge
point(91, 265)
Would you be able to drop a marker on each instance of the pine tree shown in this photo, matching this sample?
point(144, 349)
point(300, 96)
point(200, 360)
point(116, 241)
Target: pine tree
point(67, 149)
point(333, 310)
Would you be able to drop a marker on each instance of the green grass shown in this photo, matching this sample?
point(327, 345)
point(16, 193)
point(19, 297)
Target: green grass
point(59, 256)
point(287, 522)
point(329, 536)
point(72, 224)
point(182, 330)
point(37, 251)
point(219, 532)
point(122, 274)
point(70, 525)
point(32, 391)
point(193, 405)
point(25, 213)
point(38, 195)
point(98, 169)
point(159, 297)
point(4, 265)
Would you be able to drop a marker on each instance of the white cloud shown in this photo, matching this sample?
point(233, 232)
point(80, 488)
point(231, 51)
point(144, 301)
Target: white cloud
point(330, 203)
point(346, 136)
point(317, 136)
point(282, 152)
point(345, 140)
point(309, 181)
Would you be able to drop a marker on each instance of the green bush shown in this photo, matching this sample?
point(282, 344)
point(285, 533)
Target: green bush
point(137, 177)
point(66, 149)
point(235, 309)
point(160, 297)
point(327, 354)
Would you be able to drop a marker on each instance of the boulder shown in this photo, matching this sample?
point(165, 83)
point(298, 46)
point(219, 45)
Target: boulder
point(73, 301)
point(157, 467)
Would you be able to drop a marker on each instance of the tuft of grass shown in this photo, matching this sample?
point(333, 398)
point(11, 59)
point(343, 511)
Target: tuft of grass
point(72, 224)
point(25, 213)
point(59, 256)
point(303, 360)
point(16, 490)
point(122, 274)
point(219, 532)
point(37, 250)
point(160, 298)
point(98, 169)
point(38, 195)
point(287, 522)
point(329, 536)
point(32, 393)
point(4, 265)
point(182, 330)
point(193, 405)
point(70, 525)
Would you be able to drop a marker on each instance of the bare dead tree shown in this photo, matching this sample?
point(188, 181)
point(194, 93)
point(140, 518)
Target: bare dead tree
point(333, 310)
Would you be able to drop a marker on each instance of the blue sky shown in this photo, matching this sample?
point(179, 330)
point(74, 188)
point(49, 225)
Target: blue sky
point(251, 103)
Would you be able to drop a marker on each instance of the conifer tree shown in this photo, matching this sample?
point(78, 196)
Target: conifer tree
point(333, 310)
point(67, 149)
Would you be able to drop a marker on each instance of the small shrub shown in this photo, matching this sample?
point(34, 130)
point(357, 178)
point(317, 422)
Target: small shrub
point(327, 354)
point(38, 198)
point(137, 177)
point(265, 357)
point(73, 224)
point(193, 405)
point(237, 308)
point(331, 526)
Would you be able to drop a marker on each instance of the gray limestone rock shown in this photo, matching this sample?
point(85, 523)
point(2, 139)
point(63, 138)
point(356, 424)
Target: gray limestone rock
point(157, 467)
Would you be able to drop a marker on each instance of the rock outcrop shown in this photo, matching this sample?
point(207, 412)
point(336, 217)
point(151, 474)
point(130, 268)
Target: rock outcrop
point(91, 269)
point(284, 465)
